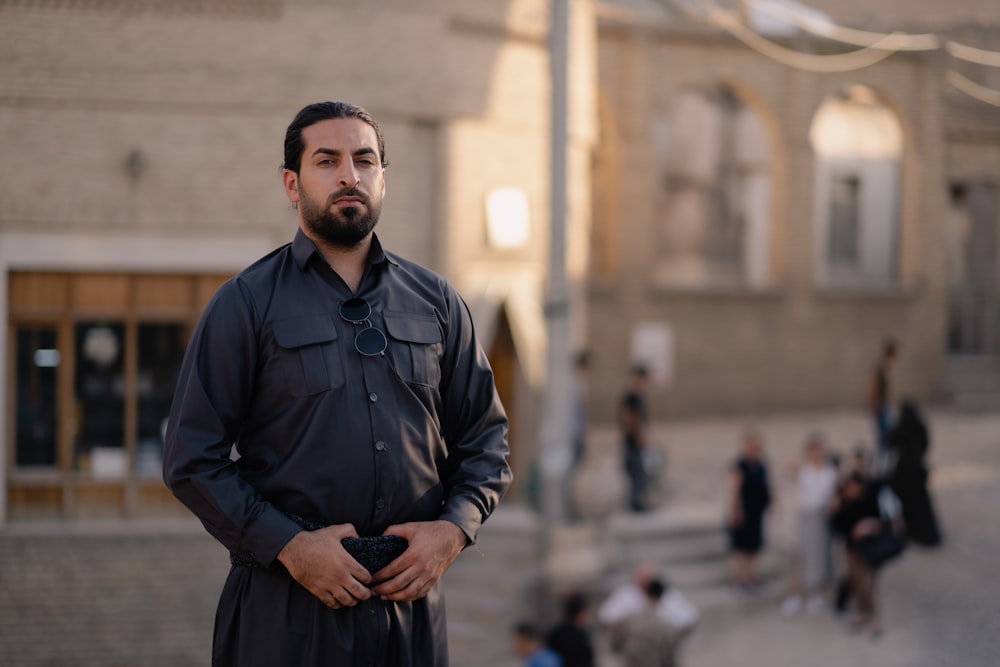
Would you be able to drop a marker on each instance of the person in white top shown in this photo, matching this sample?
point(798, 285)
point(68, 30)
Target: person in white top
point(816, 481)
point(630, 599)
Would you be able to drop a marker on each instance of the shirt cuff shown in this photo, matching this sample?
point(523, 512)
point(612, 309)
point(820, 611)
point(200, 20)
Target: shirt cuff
point(268, 535)
point(466, 516)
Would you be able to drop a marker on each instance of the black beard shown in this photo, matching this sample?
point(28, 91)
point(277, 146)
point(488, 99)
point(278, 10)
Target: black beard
point(345, 231)
point(345, 228)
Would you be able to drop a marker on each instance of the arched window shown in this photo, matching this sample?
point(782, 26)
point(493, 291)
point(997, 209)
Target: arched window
point(714, 158)
point(857, 142)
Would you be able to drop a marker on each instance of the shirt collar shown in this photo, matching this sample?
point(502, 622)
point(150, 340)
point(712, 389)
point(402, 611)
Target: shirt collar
point(303, 249)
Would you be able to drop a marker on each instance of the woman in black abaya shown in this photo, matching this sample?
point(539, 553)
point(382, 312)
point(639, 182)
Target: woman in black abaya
point(910, 442)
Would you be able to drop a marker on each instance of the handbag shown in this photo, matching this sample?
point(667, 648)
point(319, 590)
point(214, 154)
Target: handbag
point(888, 543)
point(879, 548)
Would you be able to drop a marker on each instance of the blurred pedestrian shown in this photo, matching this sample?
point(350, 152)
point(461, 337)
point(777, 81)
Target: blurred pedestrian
point(578, 431)
point(749, 498)
point(570, 637)
point(857, 516)
point(632, 418)
point(815, 483)
point(630, 598)
point(649, 640)
point(529, 646)
point(910, 442)
point(578, 407)
point(859, 463)
point(880, 402)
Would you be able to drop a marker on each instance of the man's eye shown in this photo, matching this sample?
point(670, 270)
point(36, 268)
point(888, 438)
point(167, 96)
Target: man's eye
point(368, 162)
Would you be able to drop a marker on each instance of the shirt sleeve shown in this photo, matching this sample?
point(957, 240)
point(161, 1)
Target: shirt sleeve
point(475, 427)
point(213, 395)
point(622, 603)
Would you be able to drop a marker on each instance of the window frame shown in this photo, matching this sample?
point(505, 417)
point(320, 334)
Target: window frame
point(63, 300)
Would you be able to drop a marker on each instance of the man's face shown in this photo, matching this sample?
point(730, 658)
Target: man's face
point(341, 182)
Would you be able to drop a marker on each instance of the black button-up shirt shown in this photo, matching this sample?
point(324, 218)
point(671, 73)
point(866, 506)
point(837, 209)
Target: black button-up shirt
point(320, 430)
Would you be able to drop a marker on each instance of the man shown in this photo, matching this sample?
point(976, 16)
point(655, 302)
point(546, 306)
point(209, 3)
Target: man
point(880, 405)
point(359, 402)
point(649, 640)
point(632, 418)
point(578, 407)
point(631, 598)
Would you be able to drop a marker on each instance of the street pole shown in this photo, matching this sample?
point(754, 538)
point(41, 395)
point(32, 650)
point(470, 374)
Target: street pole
point(555, 432)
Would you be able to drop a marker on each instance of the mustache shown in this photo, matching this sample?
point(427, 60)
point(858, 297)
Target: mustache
point(352, 191)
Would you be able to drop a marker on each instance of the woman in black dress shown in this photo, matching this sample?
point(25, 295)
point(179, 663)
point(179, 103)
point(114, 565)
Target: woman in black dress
point(909, 441)
point(749, 498)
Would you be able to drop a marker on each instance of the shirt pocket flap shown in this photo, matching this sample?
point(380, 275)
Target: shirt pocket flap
point(413, 328)
point(306, 330)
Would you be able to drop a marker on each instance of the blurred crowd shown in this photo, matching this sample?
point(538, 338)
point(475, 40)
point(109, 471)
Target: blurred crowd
point(855, 510)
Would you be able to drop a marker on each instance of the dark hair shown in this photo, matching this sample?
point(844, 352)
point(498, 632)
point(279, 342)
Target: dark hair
point(319, 111)
point(573, 604)
point(526, 630)
point(911, 429)
point(655, 588)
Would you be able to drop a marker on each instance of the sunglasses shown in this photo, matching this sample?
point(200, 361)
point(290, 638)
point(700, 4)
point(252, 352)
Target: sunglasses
point(370, 341)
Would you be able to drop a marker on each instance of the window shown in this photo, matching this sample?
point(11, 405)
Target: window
point(161, 349)
point(37, 361)
point(99, 399)
point(843, 242)
point(857, 142)
point(96, 360)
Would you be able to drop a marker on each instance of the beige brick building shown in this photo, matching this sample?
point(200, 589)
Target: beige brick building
point(770, 204)
point(141, 141)
point(750, 227)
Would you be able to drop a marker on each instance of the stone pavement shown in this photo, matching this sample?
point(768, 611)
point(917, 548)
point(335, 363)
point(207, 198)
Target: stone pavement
point(940, 606)
point(142, 594)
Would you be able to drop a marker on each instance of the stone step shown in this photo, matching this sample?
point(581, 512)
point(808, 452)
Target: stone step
point(971, 383)
point(673, 549)
point(976, 402)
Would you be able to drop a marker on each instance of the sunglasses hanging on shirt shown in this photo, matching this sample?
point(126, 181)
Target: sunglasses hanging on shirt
point(370, 341)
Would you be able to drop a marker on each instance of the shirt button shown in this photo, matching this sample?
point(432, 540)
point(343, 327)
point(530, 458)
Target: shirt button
point(380, 446)
point(373, 397)
point(379, 504)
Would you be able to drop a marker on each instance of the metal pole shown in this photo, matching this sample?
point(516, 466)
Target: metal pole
point(555, 432)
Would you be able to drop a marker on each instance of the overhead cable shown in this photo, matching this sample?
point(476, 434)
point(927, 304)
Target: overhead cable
point(896, 41)
point(840, 62)
point(973, 89)
point(972, 54)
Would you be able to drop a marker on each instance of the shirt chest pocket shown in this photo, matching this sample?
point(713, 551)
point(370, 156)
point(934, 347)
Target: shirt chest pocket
point(308, 355)
point(416, 347)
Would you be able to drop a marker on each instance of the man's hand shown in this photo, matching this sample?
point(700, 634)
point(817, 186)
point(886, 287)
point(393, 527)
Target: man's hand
point(433, 547)
point(317, 560)
point(867, 527)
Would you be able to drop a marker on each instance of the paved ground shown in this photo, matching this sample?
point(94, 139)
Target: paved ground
point(941, 607)
point(143, 594)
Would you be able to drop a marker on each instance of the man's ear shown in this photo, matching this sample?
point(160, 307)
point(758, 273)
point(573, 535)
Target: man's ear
point(291, 182)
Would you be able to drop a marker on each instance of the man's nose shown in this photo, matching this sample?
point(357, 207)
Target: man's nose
point(349, 176)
